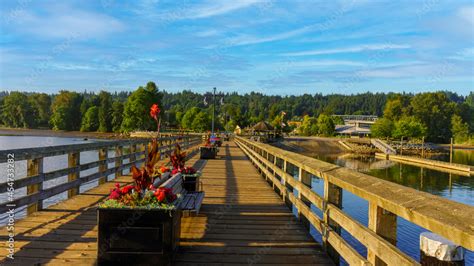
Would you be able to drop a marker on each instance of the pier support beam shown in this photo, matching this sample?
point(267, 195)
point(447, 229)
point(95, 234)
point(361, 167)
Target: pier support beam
point(384, 224)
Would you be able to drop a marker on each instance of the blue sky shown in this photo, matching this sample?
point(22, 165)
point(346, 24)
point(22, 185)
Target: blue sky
point(269, 46)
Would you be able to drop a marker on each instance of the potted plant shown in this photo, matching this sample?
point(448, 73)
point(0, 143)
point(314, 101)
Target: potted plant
point(140, 222)
point(208, 150)
point(190, 175)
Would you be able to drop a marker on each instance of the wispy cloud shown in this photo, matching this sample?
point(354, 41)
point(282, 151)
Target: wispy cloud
point(64, 23)
point(467, 13)
point(219, 8)
point(352, 49)
point(248, 39)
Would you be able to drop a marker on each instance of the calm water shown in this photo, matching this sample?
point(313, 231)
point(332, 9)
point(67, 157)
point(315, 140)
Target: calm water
point(450, 186)
point(50, 164)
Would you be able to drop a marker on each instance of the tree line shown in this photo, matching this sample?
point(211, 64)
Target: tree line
point(127, 111)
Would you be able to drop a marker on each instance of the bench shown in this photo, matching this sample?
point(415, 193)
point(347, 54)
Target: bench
point(192, 201)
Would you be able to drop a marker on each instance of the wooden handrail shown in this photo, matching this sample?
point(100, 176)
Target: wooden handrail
point(444, 217)
point(35, 176)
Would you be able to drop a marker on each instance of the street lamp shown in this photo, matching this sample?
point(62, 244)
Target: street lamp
point(213, 95)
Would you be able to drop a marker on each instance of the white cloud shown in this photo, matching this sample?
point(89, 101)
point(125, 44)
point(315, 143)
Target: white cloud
point(68, 24)
point(246, 39)
point(219, 8)
point(467, 14)
point(207, 33)
point(353, 49)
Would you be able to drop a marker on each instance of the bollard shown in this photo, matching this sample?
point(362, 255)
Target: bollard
point(437, 250)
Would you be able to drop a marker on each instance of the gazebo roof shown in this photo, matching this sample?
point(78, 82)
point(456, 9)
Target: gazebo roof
point(262, 126)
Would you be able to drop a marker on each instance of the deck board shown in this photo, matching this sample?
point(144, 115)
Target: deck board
point(242, 221)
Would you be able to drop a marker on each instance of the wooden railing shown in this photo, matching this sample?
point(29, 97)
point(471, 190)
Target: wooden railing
point(35, 193)
point(387, 201)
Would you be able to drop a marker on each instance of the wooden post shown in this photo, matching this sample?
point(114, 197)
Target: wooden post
point(423, 147)
point(73, 160)
point(384, 224)
point(401, 146)
point(103, 154)
point(332, 195)
point(451, 151)
point(118, 161)
point(283, 182)
point(133, 149)
point(437, 250)
point(34, 167)
point(305, 179)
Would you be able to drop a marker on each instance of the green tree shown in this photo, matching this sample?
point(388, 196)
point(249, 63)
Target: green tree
point(383, 127)
point(326, 126)
point(459, 129)
point(201, 122)
point(117, 116)
point(105, 112)
point(90, 122)
point(188, 117)
point(136, 114)
point(66, 111)
point(337, 120)
point(396, 107)
point(16, 111)
point(41, 104)
point(309, 126)
point(409, 127)
point(434, 110)
point(230, 125)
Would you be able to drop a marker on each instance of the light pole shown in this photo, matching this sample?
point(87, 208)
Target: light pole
point(213, 95)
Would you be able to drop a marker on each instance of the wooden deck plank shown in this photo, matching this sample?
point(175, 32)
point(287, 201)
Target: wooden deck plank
point(242, 221)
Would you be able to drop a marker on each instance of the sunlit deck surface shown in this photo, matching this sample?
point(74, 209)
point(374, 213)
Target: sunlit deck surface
point(242, 221)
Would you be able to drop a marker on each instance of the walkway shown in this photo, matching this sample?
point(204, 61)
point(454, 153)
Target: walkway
point(242, 221)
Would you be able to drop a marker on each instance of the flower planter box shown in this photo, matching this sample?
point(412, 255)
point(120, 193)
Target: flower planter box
point(208, 152)
point(190, 182)
point(137, 236)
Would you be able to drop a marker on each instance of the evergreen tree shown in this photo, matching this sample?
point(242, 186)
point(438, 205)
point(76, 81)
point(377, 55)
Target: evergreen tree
point(105, 110)
point(117, 116)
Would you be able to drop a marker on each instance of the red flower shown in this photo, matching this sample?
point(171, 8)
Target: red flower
point(154, 111)
point(115, 194)
point(175, 171)
point(126, 189)
point(165, 194)
point(164, 169)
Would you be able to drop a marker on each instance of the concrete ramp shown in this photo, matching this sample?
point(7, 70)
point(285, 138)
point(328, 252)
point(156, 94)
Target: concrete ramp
point(383, 146)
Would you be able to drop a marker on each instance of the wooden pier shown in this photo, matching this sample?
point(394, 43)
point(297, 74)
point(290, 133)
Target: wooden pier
point(245, 217)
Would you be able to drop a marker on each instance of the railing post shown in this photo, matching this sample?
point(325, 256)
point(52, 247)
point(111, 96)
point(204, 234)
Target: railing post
point(118, 161)
point(384, 224)
point(73, 160)
point(332, 195)
point(35, 167)
point(305, 179)
point(283, 182)
point(103, 154)
point(133, 149)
